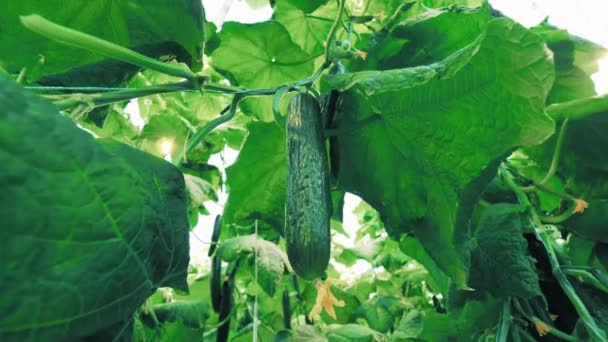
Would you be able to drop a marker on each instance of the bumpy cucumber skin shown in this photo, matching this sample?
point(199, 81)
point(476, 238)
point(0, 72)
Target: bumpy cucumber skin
point(286, 310)
point(223, 331)
point(216, 283)
point(308, 204)
point(216, 234)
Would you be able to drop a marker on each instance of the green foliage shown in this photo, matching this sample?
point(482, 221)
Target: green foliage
point(271, 260)
point(307, 29)
point(439, 172)
point(263, 200)
point(189, 313)
point(159, 27)
point(438, 114)
point(500, 264)
point(84, 247)
point(591, 225)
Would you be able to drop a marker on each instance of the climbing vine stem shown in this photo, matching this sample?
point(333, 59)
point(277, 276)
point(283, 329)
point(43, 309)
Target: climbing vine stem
point(561, 278)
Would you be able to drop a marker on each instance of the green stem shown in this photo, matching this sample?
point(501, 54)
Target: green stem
point(21, 76)
point(82, 40)
point(504, 324)
point(556, 152)
point(102, 99)
point(276, 106)
point(585, 276)
point(562, 280)
point(76, 89)
point(525, 310)
point(210, 126)
point(551, 191)
point(579, 108)
point(332, 32)
point(559, 218)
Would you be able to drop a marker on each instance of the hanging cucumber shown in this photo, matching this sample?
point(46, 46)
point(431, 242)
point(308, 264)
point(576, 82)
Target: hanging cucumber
point(286, 310)
point(308, 204)
point(215, 282)
point(225, 309)
point(216, 234)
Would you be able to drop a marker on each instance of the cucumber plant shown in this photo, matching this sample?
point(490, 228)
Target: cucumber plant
point(474, 144)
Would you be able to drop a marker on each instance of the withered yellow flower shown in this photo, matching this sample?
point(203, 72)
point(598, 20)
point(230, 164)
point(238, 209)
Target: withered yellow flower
point(325, 300)
point(580, 206)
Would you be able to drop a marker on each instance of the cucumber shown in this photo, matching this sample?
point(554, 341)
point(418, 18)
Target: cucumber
point(215, 283)
point(308, 203)
point(225, 308)
point(216, 234)
point(286, 310)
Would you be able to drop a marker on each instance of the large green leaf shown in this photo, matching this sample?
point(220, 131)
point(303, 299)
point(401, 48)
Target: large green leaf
point(500, 264)
point(89, 229)
point(271, 260)
point(437, 33)
point(436, 133)
point(422, 37)
point(308, 30)
point(264, 160)
point(575, 62)
point(158, 27)
point(259, 56)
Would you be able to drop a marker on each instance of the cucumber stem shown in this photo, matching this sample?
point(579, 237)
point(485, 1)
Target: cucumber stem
point(504, 325)
point(332, 33)
point(579, 108)
point(68, 36)
point(562, 280)
point(210, 126)
point(102, 99)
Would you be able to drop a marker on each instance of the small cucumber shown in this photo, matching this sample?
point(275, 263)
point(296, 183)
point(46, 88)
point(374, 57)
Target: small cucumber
point(216, 234)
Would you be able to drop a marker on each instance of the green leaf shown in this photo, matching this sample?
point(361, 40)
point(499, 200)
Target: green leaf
point(264, 159)
point(424, 37)
point(308, 333)
point(161, 130)
point(438, 134)
point(410, 326)
point(441, 3)
point(269, 62)
point(379, 318)
point(500, 264)
point(437, 33)
point(189, 313)
point(115, 126)
point(414, 249)
point(596, 301)
point(463, 325)
point(272, 260)
point(160, 27)
point(90, 229)
point(307, 6)
point(308, 30)
point(199, 191)
point(591, 224)
point(351, 332)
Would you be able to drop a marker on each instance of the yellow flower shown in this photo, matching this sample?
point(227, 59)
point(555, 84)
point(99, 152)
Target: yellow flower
point(580, 206)
point(325, 300)
point(541, 328)
point(361, 54)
